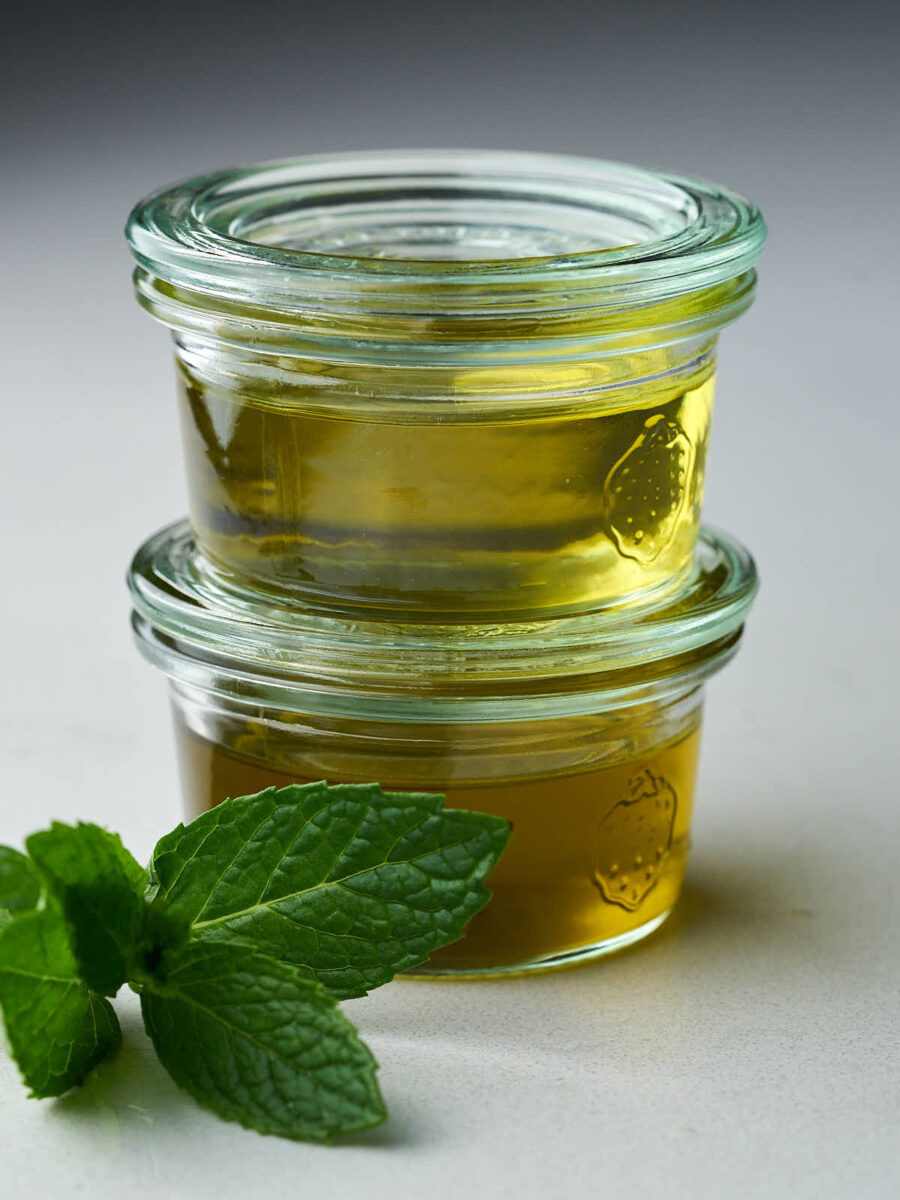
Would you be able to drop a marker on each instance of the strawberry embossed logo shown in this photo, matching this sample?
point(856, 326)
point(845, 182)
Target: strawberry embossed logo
point(634, 840)
point(645, 491)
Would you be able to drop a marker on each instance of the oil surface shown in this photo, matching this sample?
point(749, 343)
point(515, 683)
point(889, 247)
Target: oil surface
point(593, 855)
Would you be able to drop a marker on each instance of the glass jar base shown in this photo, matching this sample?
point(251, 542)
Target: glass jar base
point(552, 962)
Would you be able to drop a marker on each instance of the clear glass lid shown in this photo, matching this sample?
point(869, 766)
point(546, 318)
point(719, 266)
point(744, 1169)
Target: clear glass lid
point(455, 219)
point(443, 249)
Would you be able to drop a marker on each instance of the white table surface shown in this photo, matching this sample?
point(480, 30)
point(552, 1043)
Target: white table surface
point(748, 1049)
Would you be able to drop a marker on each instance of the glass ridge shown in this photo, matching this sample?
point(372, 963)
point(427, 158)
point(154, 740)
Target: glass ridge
point(187, 619)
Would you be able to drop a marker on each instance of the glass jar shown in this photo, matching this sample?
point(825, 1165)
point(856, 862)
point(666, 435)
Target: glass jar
point(582, 731)
point(446, 385)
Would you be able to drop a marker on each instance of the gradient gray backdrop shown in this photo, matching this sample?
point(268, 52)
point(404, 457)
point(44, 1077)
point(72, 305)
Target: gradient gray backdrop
point(748, 1052)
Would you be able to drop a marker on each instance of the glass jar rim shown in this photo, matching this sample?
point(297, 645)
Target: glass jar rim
point(199, 630)
point(272, 233)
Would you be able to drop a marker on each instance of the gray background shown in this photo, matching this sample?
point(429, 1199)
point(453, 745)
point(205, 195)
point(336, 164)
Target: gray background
point(751, 1048)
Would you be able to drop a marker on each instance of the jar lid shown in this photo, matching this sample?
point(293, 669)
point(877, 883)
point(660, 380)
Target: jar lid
point(200, 628)
point(358, 254)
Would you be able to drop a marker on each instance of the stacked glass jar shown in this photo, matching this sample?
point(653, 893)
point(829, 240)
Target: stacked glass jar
point(445, 418)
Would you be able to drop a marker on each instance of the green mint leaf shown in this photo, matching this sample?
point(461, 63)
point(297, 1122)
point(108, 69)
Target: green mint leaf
point(6, 918)
point(99, 888)
point(58, 1030)
point(20, 885)
point(259, 1043)
point(351, 883)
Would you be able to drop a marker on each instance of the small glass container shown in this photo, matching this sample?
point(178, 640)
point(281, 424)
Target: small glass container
point(582, 731)
point(446, 385)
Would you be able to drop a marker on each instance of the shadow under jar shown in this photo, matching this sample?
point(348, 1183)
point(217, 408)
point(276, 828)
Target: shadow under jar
point(446, 385)
point(583, 732)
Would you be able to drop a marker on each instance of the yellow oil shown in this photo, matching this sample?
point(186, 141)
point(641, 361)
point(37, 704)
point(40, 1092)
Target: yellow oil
point(460, 510)
point(594, 856)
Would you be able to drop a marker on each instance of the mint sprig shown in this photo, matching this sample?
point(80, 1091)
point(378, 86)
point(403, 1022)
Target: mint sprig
point(247, 926)
point(351, 883)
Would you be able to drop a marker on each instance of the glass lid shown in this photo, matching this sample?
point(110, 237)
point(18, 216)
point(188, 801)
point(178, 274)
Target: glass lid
point(186, 616)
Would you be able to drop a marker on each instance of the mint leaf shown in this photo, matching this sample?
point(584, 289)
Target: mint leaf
point(258, 1043)
point(6, 918)
point(351, 883)
point(58, 1029)
point(20, 886)
point(99, 888)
